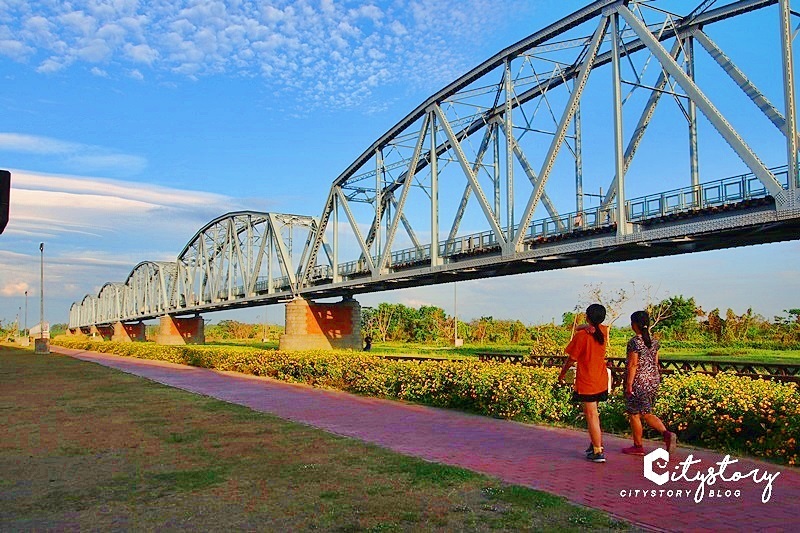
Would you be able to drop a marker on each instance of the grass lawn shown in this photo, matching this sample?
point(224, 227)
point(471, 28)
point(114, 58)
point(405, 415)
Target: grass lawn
point(87, 447)
point(711, 353)
point(734, 355)
point(707, 354)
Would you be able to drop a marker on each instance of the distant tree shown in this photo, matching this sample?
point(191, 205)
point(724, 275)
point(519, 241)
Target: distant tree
point(715, 325)
point(430, 324)
point(233, 329)
point(480, 328)
point(387, 322)
point(674, 313)
point(612, 299)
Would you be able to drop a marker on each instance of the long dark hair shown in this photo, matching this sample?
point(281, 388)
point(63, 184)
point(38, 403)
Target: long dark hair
point(595, 314)
point(642, 320)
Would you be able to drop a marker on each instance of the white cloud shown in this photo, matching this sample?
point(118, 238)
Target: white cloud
point(51, 65)
point(95, 230)
point(15, 49)
point(144, 194)
point(14, 288)
point(376, 44)
point(35, 144)
point(136, 74)
point(140, 53)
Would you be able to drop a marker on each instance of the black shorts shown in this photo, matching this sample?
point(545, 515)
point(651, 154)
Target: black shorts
point(599, 397)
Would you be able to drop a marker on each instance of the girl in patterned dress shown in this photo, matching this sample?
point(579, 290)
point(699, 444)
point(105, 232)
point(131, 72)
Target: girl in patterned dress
point(641, 385)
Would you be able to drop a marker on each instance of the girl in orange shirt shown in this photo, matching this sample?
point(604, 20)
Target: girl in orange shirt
point(588, 349)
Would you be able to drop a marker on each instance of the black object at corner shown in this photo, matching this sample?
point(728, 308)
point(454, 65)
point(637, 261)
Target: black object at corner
point(5, 196)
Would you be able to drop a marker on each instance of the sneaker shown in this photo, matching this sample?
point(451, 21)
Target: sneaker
point(590, 449)
point(633, 450)
point(670, 441)
point(596, 457)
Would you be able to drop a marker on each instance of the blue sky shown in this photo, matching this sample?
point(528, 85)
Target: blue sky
point(128, 125)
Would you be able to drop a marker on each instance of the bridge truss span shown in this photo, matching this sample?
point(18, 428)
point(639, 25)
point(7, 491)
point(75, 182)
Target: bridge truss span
point(623, 131)
point(234, 260)
point(507, 146)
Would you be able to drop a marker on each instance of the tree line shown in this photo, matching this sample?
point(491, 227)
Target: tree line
point(675, 318)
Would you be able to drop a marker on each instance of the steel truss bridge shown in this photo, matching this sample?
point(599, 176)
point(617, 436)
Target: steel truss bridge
point(477, 165)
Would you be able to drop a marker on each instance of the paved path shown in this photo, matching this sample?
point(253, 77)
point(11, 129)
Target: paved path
point(543, 458)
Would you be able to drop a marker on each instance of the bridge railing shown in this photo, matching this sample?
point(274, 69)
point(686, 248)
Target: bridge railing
point(716, 193)
point(721, 192)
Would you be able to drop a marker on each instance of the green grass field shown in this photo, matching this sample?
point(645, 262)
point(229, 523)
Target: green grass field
point(85, 447)
point(710, 353)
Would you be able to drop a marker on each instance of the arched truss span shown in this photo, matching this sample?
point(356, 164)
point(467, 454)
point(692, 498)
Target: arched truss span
point(241, 255)
point(514, 151)
point(87, 312)
point(111, 302)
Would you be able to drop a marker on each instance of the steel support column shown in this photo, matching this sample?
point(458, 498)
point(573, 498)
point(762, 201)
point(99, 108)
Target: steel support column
point(335, 261)
point(692, 115)
point(434, 194)
point(576, 128)
point(509, 125)
point(619, 154)
point(378, 199)
point(789, 99)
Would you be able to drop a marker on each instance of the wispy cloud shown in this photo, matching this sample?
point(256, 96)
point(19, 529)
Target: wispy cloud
point(327, 53)
point(96, 230)
point(35, 144)
point(81, 157)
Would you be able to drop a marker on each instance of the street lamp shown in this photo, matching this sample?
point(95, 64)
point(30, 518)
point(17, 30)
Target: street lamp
point(41, 344)
point(26, 313)
point(41, 290)
point(456, 341)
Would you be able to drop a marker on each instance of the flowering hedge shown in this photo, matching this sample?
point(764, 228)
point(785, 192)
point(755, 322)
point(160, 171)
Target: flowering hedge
point(725, 412)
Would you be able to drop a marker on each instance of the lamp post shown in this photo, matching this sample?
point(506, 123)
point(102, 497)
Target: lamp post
point(26, 313)
point(41, 345)
point(41, 290)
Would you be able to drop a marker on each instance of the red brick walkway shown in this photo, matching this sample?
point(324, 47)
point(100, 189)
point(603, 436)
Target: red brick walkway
point(543, 458)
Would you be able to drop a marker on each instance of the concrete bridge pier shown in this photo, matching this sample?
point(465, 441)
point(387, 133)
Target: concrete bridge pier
point(315, 326)
point(103, 332)
point(128, 332)
point(173, 330)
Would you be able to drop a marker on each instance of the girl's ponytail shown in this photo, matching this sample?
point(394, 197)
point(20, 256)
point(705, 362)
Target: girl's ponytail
point(642, 320)
point(595, 314)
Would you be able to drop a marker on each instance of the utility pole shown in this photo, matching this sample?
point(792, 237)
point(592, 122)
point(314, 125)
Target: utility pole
point(456, 340)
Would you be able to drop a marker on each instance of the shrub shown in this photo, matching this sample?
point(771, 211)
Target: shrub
point(725, 412)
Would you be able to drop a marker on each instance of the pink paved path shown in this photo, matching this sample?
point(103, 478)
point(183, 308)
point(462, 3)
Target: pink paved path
point(543, 458)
